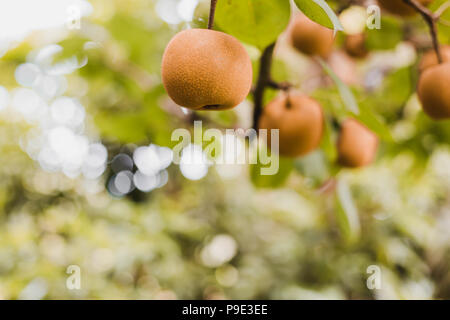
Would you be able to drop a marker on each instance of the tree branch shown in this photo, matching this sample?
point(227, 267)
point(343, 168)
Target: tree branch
point(430, 18)
point(212, 12)
point(265, 80)
point(444, 22)
point(265, 64)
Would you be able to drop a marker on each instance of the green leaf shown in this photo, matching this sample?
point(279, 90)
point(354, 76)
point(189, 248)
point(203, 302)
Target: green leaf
point(141, 42)
point(144, 123)
point(314, 166)
point(320, 12)
point(375, 123)
point(328, 144)
point(346, 94)
point(398, 87)
point(443, 27)
point(122, 127)
point(271, 181)
point(347, 213)
point(363, 113)
point(256, 22)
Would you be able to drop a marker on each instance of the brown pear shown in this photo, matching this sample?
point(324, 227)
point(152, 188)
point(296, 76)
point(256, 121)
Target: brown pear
point(429, 59)
point(400, 8)
point(206, 70)
point(355, 45)
point(357, 145)
point(299, 119)
point(311, 38)
point(434, 93)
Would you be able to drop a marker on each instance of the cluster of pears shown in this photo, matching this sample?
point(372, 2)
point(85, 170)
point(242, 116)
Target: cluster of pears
point(300, 122)
point(300, 118)
point(312, 39)
point(434, 76)
point(204, 69)
point(210, 70)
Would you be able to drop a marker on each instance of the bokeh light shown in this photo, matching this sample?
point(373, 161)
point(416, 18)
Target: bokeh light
point(193, 163)
point(57, 140)
point(176, 11)
point(19, 18)
point(220, 250)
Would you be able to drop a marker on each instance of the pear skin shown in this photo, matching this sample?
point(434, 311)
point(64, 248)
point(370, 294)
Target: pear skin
point(311, 38)
point(433, 91)
point(206, 70)
point(357, 145)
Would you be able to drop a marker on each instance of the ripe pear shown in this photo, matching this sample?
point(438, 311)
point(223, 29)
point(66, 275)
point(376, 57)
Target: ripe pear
point(429, 59)
point(433, 91)
point(300, 121)
point(310, 37)
point(355, 45)
point(400, 8)
point(206, 70)
point(357, 145)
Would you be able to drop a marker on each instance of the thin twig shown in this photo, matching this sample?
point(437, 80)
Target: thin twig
point(444, 22)
point(285, 86)
point(212, 12)
point(430, 18)
point(265, 64)
point(440, 11)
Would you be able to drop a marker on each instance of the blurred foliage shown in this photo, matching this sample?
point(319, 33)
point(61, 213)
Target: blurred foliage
point(309, 232)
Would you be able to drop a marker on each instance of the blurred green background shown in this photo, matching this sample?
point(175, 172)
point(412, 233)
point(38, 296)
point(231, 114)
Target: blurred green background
point(77, 101)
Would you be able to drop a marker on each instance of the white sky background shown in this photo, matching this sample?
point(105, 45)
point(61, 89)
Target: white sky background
point(176, 11)
point(18, 18)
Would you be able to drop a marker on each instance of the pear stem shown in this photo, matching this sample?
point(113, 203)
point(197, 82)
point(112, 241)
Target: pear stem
point(288, 100)
point(430, 18)
point(285, 86)
point(212, 12)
